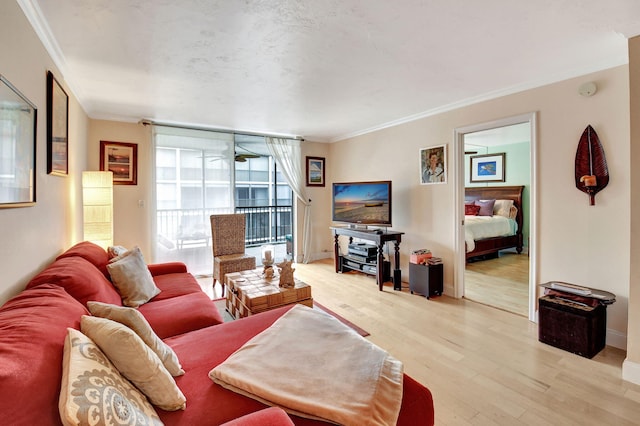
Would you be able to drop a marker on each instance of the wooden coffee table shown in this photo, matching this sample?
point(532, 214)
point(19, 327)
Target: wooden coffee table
point(248, 293)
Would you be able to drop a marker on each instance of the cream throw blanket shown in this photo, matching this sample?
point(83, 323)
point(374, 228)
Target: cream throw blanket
point(312, 365)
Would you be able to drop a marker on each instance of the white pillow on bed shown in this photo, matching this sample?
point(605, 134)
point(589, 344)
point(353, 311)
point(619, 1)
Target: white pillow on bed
point(502, 207)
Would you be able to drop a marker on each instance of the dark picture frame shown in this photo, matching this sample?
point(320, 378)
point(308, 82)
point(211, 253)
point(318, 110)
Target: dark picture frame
point(438, 174)
point(315, 171)
point(487, 168)
point(57, 128)
point(17, 148)
point(121, 158)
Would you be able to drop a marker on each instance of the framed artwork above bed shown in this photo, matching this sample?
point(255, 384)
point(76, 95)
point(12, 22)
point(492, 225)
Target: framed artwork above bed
point(487, 168)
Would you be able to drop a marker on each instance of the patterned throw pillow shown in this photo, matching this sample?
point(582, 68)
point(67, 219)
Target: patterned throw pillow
point(133, 319)
point(130, 275)
point(135, 361)
point(471, 210)
point(94, 392)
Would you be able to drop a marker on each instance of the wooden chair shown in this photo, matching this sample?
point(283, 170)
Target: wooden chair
point(227, 241)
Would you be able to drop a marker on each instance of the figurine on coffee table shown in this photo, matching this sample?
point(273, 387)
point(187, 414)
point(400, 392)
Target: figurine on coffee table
point(286, 274)
point(268, 273)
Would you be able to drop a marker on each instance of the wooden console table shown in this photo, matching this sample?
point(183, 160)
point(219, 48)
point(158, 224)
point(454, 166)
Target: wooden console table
point(380, 238)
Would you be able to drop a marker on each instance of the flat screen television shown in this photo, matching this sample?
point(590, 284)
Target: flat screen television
point(367, 203)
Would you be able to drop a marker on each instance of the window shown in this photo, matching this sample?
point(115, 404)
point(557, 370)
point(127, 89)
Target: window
point(200, 173)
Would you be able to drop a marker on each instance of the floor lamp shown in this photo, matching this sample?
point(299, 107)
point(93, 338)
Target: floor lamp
point(97, 206)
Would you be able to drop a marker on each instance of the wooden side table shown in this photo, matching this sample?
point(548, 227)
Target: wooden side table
point(250, 293)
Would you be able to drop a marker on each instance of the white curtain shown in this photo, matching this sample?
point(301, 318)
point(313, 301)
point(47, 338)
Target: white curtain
point(287, 154)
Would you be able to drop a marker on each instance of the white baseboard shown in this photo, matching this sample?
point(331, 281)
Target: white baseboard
point(631, 371)
point(616, 339)
point(318, 256)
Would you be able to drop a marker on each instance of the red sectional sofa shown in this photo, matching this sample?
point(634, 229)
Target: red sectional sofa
point(33, 326)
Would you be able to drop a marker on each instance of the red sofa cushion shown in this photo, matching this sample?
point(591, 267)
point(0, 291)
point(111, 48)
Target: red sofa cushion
point(272, 416)
point(180, 314)
point(33, 326)
point(80, 279)
point(208, 403)
point(172, 285)
point(90, 252)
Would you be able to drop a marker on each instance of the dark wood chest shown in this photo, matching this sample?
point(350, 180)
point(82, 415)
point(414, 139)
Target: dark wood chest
point(571, 326)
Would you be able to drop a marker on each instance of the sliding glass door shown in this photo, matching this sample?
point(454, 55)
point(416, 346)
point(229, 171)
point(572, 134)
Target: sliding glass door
point(193, 179)
point(199, 173)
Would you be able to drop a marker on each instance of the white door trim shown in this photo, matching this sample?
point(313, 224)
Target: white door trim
point(459, 204)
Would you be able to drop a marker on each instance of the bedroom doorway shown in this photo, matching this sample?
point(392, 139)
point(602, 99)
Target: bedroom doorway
point(503, 279)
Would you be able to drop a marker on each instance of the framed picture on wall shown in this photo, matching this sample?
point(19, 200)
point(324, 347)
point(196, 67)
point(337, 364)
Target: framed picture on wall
point(433, 165)
point(487, 168)
point(57, 128)
point(121, 158)
point(315, 171)
point(17, 148)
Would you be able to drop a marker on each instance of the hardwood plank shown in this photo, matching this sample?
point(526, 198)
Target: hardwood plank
point(502, 282)
point(484, 366)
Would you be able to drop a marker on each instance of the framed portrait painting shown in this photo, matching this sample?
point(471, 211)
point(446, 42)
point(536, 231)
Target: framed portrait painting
point(121, 158)
point(433, 165)
point(57, 128)
point(487, 168)
point(315, 171)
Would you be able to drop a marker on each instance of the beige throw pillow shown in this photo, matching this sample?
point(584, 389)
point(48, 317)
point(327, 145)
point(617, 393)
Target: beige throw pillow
point(94, 392)
point(130, 275)
point(115, 251)
point(138, 323)
point(502, 207)
point(513, 213)
point(135, 361)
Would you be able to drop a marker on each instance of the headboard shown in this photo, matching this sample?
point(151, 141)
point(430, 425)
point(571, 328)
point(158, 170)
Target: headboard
point(498, 193)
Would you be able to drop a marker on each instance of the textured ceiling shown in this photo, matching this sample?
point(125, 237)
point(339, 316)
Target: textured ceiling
point(321, 69)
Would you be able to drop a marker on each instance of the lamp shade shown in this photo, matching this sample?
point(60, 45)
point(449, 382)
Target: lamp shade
point(97, 205)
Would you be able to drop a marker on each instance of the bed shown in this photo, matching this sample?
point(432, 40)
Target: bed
point(491, 245)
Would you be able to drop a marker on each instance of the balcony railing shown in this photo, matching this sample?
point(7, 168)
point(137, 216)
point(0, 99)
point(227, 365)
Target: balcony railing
point(268, 224)
point(181, 228)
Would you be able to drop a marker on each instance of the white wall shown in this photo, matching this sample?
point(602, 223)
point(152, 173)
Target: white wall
point(576, 243)
point(631, 367)
point(132, 221)
point(33, 236)
point(321, 241)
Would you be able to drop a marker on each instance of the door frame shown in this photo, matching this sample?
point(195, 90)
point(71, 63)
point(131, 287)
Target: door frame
point(459, 180)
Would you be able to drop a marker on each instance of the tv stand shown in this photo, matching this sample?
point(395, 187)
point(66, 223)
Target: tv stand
point(380, 238)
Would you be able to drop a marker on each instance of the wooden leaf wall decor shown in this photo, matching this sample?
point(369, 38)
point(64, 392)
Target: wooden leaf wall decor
point(592, 174)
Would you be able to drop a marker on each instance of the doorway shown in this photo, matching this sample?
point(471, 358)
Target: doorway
point(506, 279)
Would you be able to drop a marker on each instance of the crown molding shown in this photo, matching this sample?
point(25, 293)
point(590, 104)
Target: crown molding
point(34, 15)
point(607, 64)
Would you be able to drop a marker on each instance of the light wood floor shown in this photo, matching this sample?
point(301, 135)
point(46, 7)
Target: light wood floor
point(502, 282)
point(484, 366)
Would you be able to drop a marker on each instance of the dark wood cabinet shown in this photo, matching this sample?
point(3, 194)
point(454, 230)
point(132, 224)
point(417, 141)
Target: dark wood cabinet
point(571, 326)
point(426, 279)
